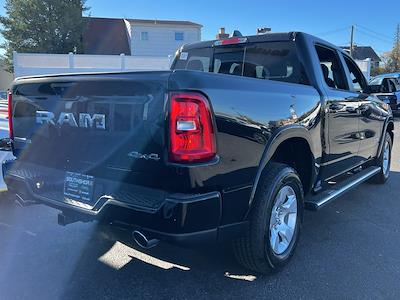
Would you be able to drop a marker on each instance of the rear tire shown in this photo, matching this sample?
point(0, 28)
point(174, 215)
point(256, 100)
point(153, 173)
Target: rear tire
point(275, 221)
point(383, 161)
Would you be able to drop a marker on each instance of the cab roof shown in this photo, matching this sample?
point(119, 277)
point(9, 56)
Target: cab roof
point(267, 37)
point(284, 36)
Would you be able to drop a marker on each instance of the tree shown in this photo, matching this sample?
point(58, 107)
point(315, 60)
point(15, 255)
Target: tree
point(394, 63)
point(391, 59)
point(384, 66)
point(42, 26)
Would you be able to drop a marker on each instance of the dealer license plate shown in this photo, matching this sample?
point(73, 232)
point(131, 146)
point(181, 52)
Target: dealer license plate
point(78, 187)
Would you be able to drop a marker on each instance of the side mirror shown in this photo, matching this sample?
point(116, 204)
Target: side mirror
point(5, 144)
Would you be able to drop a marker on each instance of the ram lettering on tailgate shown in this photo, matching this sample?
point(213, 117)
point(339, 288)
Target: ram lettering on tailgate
point(85, 120)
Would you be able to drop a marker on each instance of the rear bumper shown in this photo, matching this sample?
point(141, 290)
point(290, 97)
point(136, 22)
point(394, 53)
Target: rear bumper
point(178, 218)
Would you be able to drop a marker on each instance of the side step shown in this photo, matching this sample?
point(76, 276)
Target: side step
point(315, 202)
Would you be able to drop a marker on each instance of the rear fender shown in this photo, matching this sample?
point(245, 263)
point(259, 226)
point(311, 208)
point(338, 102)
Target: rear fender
point(281, 135)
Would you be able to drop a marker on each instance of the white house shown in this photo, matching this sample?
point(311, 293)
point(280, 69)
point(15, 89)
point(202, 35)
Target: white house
point(160, 38)
point(136, 37)
point(111, 45)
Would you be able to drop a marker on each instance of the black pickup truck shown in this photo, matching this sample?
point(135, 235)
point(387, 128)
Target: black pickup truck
point(231, 144)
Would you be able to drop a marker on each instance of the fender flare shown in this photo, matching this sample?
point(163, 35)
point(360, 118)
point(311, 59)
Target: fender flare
point(388, 121)
point(281, 135)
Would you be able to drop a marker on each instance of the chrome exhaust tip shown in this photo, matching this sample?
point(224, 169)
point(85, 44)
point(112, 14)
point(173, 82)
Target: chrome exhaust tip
point(143, 241)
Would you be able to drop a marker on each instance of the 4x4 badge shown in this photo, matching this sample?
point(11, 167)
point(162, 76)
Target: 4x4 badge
point(137, 155)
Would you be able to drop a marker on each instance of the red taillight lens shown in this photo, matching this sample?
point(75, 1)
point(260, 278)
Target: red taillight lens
point(231, 41)
point(192, 137)
point(10, 124)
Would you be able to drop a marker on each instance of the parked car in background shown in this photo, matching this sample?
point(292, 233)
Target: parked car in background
point(5, 149)
point(387, 89)
point(377, 80)
point(389, 75)
point(3, 96)
point(3, 104)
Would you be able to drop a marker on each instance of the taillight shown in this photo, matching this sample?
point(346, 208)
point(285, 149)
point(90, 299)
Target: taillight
point(10, 123)
point(192, 137)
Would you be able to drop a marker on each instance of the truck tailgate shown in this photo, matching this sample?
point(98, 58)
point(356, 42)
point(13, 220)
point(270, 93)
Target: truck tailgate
point(107, 126)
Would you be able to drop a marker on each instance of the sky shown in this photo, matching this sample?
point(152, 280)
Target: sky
point(330, 20)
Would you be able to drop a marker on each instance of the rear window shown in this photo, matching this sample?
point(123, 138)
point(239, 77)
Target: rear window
point(271, 60)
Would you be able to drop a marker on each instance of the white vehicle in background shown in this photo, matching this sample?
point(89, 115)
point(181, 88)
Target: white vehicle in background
point(379, 78)
point(387, 88)
point(3, 96)
point(3, 105)
point(5, 153)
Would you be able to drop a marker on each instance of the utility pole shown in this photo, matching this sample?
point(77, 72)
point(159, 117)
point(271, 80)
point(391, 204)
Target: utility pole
point(352, 40)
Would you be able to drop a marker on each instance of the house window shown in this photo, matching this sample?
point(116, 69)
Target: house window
point(179, 36)
point(144, 36)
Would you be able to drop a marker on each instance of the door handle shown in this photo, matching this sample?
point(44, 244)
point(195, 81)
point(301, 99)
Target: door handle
point(351, 109)
point(363, 109)
point(334, 107)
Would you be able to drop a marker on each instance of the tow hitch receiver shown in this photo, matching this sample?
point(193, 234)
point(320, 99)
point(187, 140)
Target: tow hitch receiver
point(66, 219)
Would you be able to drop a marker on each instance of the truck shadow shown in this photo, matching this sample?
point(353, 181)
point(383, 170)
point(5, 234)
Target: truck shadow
point(172, 272)
point(165, 271)
point(342, 243)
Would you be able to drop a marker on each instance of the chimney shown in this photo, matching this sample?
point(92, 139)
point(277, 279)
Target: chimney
point(222, 34)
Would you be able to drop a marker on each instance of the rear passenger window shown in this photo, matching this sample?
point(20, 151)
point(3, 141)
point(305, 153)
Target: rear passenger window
point(275, 61)
point(331, 67)
point(229, 60)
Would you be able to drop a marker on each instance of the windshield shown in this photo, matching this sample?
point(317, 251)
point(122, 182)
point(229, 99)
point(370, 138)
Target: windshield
point(376, 81)
point(269, 60)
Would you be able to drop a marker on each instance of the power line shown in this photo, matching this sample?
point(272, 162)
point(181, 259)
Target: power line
point(375, 32)
point(374, 37)
point(334, 31)
point(364, 31)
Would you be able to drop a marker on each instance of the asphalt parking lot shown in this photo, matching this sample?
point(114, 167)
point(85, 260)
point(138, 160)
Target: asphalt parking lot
point(348, 250)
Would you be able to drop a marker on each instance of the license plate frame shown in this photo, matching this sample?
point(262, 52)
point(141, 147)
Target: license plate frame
point(78, 187)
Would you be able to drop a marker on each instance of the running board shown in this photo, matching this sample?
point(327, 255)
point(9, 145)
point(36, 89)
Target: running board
point(318, 201)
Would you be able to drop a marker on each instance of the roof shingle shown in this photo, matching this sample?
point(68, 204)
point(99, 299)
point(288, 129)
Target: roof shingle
point(363, 52)
point(164, 22)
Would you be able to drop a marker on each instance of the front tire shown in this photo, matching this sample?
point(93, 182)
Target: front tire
point(275, 221)
point(383, 161)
